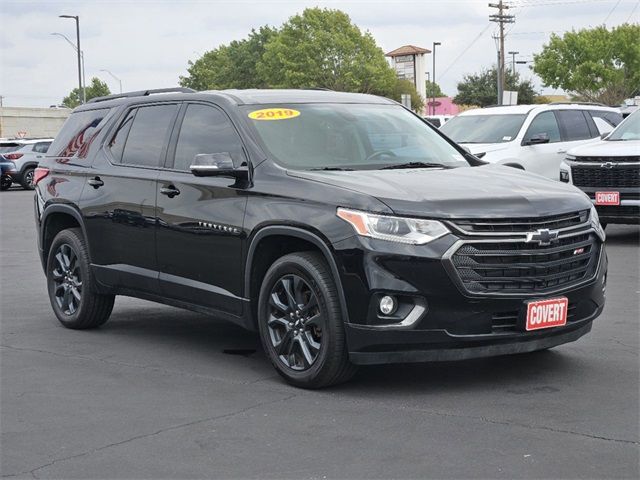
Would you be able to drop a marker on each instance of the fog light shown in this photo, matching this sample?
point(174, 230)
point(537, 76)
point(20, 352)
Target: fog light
point(388, 305)
point(564, 176)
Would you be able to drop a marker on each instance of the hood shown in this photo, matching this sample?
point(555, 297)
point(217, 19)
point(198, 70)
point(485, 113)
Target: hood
point(468, 192)
point(608, 148)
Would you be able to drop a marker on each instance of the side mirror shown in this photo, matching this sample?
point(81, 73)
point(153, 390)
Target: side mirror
point(537, 139)
point(216, 164)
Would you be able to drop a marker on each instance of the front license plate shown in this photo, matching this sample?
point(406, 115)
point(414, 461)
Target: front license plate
point(607, 198)
point(547, 313)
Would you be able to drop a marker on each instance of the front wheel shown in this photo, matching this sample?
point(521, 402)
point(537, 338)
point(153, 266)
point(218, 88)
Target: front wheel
point(71, 285)
point(300, 322)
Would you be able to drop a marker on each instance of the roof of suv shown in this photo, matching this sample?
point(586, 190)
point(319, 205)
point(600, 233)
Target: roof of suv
point(239, 97)
point(25, 141)
point(526, 109)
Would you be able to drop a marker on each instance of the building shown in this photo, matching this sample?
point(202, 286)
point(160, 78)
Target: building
point(410, 63)
point(27, 122)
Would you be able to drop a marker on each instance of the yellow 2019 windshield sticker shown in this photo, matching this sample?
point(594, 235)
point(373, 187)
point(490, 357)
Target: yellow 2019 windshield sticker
point(274, 114)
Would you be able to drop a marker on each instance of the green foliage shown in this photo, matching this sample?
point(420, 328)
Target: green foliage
point(230, 66)
point(319, 48)
point(322, 48)
point(97, 88)
point(403, 86)
point(433, 90)
point(481, 88)
point(594, 64)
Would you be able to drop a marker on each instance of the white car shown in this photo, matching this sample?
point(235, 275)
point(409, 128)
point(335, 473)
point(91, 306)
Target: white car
point(26, 154)
point(438, 120)
point(609, 172)
point(535, 138)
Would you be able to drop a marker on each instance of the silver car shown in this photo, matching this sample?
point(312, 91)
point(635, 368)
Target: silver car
point(26, 154)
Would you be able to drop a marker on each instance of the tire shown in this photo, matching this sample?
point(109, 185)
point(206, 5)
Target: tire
point(27, 178)
point(5, 183)
point(305, 276)
point(71, 286)
point(604, 225)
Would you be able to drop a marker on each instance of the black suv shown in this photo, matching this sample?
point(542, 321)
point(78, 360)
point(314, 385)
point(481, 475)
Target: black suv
point(342, 227)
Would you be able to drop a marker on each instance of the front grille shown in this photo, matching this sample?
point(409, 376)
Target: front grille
point(601, 177)
point(612, 211)
point(629, 159)
point(514, 266)
point(512, 225)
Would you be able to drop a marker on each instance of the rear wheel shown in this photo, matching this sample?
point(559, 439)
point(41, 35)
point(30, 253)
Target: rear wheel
point(71, 286)
point(5, 182)
point(300, 322)
point(27, 178)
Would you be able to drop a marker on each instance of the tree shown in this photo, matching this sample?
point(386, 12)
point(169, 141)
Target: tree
point(593, 64)
point(481, 88)
point(433, 90)
point(322, 48)
point(230, 66)
point(403, 86)
point(97, 88)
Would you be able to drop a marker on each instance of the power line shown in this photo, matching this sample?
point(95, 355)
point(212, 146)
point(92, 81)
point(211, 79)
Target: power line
point(466, 49)
point(632, 12)
point(611, 11)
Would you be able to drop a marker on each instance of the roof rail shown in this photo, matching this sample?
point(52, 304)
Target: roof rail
point(595, 104)
point(142, 93)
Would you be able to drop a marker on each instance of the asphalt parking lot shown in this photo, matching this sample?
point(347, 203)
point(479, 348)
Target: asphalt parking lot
point(163, 393)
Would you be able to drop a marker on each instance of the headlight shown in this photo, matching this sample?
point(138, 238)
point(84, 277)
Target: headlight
point(413, 231)
point(595, 223)
point(571, 158)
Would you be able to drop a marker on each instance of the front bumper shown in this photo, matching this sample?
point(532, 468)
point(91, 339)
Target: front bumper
point(453, 325)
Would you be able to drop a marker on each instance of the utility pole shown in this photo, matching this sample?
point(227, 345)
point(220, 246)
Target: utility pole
point(433, 79)
point(501, 18)
point(513, 62)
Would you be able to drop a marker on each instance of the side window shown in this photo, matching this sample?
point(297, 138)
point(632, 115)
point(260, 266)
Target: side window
point(148, 135)
point(574, 125)
point(77, 133)
point(544, 123)
point(206, 129)
point(120, 137)
point(41, 147)
point(612, 118)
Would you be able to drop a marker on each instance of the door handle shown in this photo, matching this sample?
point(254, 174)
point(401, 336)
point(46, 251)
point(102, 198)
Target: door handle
point(95, 182)
point(170, 191)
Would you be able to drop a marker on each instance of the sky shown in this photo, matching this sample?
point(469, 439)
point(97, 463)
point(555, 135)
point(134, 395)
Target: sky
point(147, 44)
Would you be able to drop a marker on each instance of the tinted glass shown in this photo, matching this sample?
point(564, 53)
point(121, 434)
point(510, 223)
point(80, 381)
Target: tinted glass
point(483, 128)
point(41, 147)
point(77, 133)
point(120, 137)
point(612, 118)
point(354, 136)
point(574, 124)
point(544, 123)
point(206, 129)
point(9, 147)
point(148, 135)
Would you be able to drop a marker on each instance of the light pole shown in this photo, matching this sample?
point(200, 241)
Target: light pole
point(115, 78)
point(513, 61)
point(84, 81)
point(77, 19)
point(433, 79)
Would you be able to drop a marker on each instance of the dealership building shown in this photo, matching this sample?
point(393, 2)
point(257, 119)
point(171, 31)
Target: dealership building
point(28, 122)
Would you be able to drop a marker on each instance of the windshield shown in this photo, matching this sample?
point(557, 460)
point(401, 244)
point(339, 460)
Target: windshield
point(629, 129)
point(483, 128)
point(349, 136)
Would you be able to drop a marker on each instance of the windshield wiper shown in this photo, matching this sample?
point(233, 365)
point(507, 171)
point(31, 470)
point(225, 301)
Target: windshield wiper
point(333, 169)
point(415, 165)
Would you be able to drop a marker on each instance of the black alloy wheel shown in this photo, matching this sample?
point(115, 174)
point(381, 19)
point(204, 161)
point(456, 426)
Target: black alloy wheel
point(73, 292)
point(301, 322)
point(67, 279)
point(295, 322)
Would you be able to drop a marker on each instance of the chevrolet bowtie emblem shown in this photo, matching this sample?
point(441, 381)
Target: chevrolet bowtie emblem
point(544, 236)
point(608, 165)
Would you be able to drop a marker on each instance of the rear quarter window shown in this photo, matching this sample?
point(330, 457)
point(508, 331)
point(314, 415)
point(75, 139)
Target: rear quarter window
point(77, 133)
